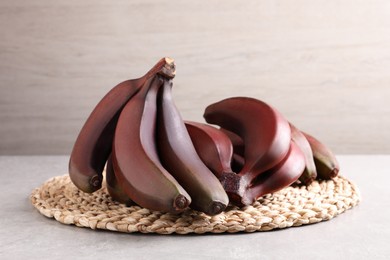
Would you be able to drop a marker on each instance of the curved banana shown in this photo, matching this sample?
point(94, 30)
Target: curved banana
point(113, 187)
point(212, 145)
point(265, 132)
point(135, 159)
point(179, 157)
point(238, 143)
point(310, 172)
point(326, 162)
point(94, 142)
point(238, 162)
point(280, 176)
point(238, 159)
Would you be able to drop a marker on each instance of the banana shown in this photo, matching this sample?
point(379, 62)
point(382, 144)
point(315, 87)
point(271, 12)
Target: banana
point(94, 142)
point(280, 176)
point(113, 187)
point(265, 132)
point(310, 172)
point(213, 146)
point(238, 159)
point(238, 143)
point(179, 157)
point(135, 159)
point(325, 161)
point(238, 162)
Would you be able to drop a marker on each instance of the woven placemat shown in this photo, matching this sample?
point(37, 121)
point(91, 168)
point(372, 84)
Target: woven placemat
point(296, 205)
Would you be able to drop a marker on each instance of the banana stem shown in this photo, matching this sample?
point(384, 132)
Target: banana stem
point(243, 188)
point(235, 186)
point(165, 67)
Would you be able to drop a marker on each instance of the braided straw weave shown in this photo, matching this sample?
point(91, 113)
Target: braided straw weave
point(293, 206)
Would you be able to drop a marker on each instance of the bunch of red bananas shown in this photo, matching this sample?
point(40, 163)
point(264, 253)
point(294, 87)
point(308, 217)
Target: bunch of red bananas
point(155, 159)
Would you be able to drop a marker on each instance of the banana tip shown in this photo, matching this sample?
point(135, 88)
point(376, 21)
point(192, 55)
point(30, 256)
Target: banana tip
point(169, 68)
point(334, 173)
point(181, 202)
point(96, 181)
point(216, 208)
point(169, 60)
point(308, 180)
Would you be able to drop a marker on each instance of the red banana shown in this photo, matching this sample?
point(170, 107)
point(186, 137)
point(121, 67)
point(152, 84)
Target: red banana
point(265, 132)
point(179, 157)
point(326, 162)
point(212, 145)
point(113, 187)
point(135, 159)
point(238, 143)
point(310, 172)
point(282, 175)
point(238, 162)
point(94, 142)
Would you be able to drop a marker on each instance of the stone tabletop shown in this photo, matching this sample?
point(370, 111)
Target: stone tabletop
point(360, 233)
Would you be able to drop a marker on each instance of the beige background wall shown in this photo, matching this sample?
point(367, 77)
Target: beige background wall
point(324, 64)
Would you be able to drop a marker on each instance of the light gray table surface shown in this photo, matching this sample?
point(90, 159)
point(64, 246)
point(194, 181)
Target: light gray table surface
point(360, 233)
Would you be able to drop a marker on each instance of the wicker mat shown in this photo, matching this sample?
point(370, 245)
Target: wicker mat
point(293, 206)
